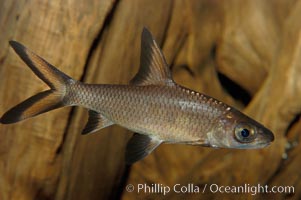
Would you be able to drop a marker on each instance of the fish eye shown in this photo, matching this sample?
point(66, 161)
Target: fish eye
point(245, 132)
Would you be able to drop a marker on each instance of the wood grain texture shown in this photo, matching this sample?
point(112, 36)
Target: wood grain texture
point(254, 45)
point(31, 162)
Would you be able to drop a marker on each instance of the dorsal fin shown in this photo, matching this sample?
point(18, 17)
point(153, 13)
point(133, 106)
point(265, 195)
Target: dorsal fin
point(96, 122)
point(153, 67)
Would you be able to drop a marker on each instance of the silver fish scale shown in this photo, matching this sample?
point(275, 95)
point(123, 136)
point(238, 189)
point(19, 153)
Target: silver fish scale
point(172, 114)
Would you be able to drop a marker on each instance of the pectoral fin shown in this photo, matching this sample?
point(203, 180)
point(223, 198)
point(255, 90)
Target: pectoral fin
point(96, 122)
point(139, 147)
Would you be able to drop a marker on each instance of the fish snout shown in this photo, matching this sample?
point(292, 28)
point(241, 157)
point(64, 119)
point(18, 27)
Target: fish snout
point(268, 135)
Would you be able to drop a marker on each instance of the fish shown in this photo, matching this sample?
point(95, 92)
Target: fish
point(152, 105)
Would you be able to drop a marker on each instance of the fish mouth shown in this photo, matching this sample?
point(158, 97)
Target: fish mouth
point(267, 137)
point(270, 136)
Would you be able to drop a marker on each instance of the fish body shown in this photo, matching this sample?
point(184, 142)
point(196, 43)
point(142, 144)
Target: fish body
point(172, 114)
point(153, 106)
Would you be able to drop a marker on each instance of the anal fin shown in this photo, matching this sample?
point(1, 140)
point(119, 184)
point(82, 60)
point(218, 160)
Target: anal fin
point(96, 122)
point(139, 147)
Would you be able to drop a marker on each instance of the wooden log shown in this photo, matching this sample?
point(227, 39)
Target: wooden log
point(31, 157)
point(255, 44)
point(235, 167)
point(100, 157)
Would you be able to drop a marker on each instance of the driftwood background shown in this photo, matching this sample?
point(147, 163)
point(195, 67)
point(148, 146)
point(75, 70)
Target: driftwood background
point(245, 53)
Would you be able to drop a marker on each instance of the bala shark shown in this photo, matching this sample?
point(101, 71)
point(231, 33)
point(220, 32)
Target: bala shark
point(152, 105)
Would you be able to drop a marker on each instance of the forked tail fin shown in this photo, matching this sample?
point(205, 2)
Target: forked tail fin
point(43, 101)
